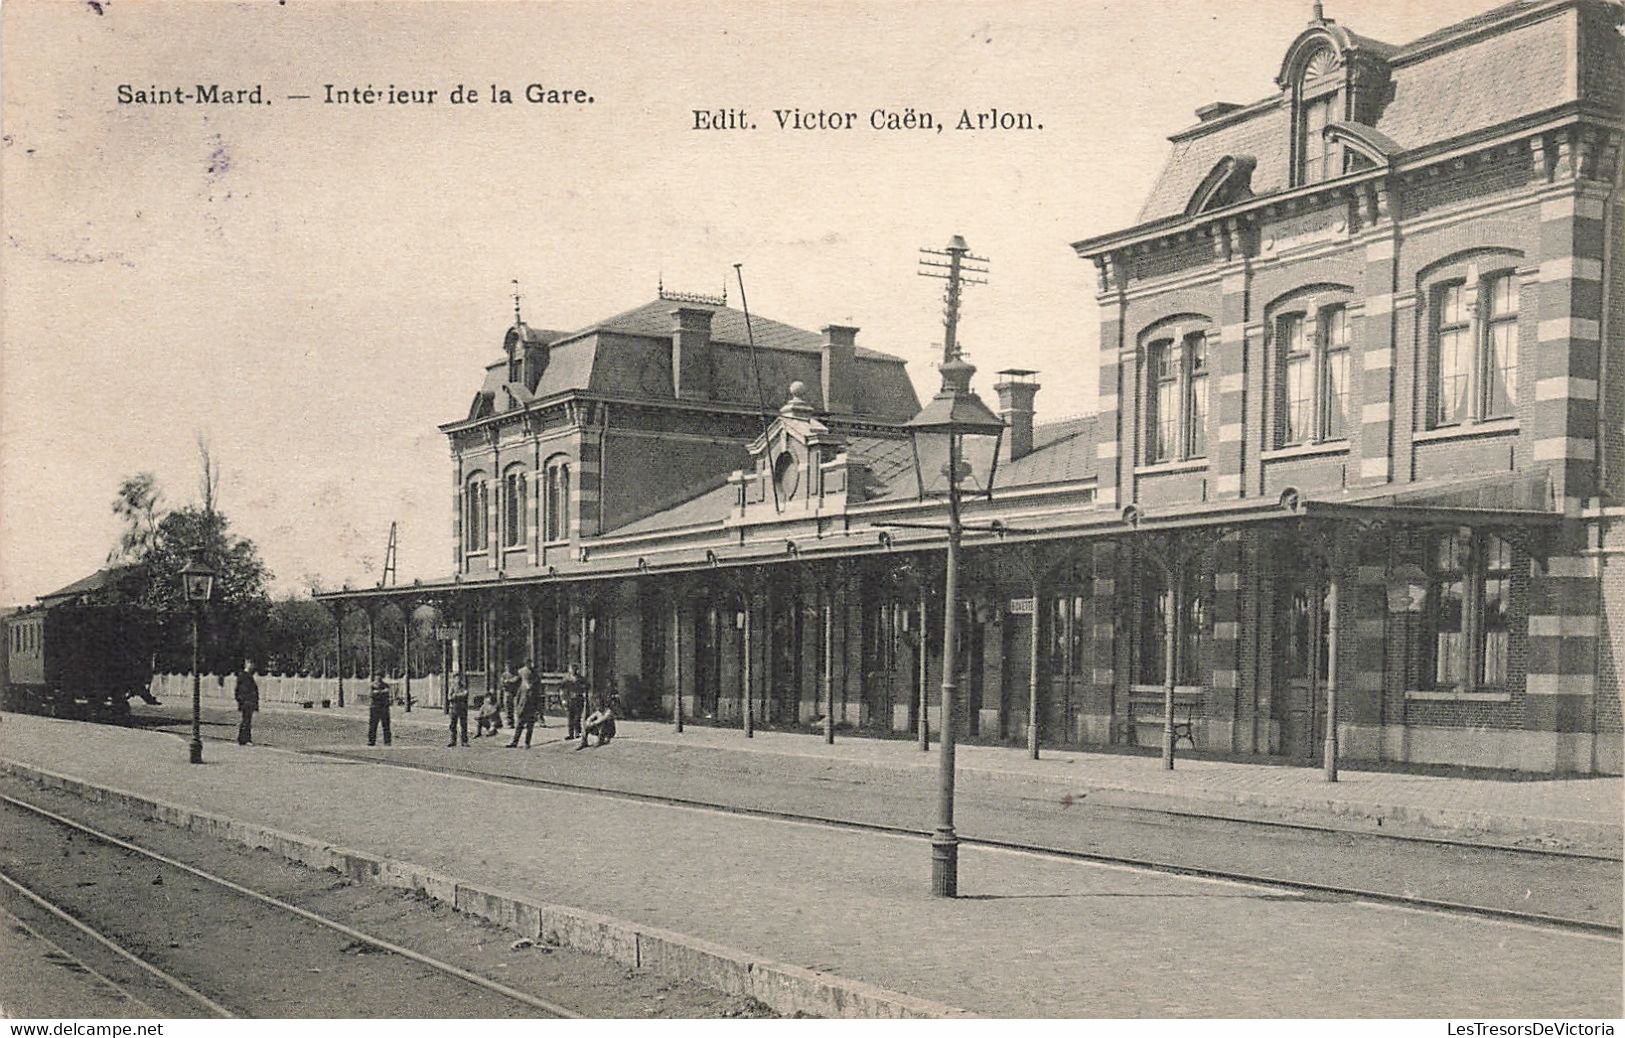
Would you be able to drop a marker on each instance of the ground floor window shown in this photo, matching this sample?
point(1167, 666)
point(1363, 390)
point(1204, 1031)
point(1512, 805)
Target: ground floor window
point(1154, 608)
point(1466, 623)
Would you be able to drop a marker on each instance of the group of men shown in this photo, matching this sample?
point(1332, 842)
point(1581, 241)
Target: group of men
point(522, 698)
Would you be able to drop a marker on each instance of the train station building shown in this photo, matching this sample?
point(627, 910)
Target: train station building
point(1359, 433)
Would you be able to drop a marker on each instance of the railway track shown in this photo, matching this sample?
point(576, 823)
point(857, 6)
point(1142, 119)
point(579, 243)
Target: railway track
point(1584, 926)
point(154, 973)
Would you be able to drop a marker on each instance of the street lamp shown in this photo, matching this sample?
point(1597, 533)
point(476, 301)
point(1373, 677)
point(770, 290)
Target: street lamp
point(197, 582)
point(956, 447)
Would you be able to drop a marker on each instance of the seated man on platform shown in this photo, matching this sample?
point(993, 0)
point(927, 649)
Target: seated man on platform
point(600, 722)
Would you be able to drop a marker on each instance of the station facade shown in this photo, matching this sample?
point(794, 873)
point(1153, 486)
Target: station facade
point(1358, 455)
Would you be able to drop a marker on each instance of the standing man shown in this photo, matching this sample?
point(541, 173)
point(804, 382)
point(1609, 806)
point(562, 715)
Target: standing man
point(378, 710)
point(524, 717)
point(457, 708)
point(574, 691)
point(248, 701)
point(528, 686)
point(508, 687)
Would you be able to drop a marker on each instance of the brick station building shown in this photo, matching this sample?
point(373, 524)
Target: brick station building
point(1359, 448)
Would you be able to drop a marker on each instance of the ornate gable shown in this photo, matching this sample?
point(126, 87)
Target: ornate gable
point(798, 467)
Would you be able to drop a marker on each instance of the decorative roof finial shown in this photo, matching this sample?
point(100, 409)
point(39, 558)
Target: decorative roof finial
point(517, 320)
point(1317, 13)
point(660, 285)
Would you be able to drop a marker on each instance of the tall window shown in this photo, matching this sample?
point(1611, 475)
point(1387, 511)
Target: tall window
point(513, 508)
point(1188, 634)
point(1312, 398)
point(1297, 381)
point(1501, 347)
point(1495, 612)
point(558, 500)
point(475, 521)
point(1453, 354)
point(1474, 350)
point(1066, 620)
point(1334, 373)
point(1317, 149)
point(1163, 423)
point(1447, 608)
point(1176, 398)
point(1468, 621)
point(1195, 395)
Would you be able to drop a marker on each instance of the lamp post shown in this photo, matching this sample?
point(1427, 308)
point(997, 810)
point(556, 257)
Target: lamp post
point(197, 583)
point(956, 441)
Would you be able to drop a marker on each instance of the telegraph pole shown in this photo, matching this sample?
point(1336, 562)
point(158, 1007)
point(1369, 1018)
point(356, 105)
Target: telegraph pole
point(958, 267)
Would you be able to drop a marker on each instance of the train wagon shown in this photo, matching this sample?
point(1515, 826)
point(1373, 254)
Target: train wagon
point(70, 658)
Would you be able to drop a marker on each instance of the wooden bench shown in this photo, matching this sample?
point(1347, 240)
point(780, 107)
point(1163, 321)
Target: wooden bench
point(1143, 710)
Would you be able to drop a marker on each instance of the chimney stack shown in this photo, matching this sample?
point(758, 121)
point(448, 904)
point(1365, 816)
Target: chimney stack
point(691, 353)
point(1016, 390)
point(839, 364)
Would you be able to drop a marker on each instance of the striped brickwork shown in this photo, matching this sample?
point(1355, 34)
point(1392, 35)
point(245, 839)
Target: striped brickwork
point(1231, 356)
point(1365, 601)
point(1562, 646)
point(1567, 353)
point(584, 509)
point(457, 515)
point(1116, 409)
point(1372, 407)
point(1224, 658)
point(1103, 641)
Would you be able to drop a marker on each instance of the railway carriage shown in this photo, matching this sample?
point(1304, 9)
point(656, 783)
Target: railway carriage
point(69, 658)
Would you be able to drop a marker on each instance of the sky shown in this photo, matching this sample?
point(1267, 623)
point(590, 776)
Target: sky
point(314, 287)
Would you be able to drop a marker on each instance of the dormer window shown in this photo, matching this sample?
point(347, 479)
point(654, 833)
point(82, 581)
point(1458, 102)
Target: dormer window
point(1316, 103)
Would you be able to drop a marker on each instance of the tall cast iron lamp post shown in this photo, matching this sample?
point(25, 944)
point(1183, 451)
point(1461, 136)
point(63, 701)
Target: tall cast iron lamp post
point(956, 445)
point(197, 582)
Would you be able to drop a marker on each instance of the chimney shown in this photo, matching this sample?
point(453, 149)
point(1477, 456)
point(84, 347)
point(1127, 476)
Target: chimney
point(691, 353)
point(1016, 391)
point(839, 364)
point(1216, 109)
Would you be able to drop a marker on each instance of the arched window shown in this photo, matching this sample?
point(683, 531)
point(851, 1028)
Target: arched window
point(557, 526)
point(1317, 107)
point(1311, 334)
point(1176, 395)
point(476, 528)
point(515, 488)
point(1472, 316)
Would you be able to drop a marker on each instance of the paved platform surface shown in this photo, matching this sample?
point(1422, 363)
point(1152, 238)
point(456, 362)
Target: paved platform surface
point(1030, 936)
point(1588, 811)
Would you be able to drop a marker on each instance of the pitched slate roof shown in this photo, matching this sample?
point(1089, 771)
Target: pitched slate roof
point(1438, 92)
point(629, 354)
point(727, 325)
point(1063, 452)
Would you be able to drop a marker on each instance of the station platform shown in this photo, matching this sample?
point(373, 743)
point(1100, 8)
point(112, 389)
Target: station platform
point(1582, 812)
point(1029, 936)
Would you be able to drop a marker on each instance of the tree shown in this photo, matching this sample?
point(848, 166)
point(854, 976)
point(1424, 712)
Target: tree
point(239, 607)
point(137, 508)
point(155, 545)
point(299, 637)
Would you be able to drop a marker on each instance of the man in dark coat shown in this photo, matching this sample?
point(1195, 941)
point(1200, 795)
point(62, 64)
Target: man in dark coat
point(248, 701)
point(457, 709)
point(527, 700)
point(574, 692)
point(378, 710)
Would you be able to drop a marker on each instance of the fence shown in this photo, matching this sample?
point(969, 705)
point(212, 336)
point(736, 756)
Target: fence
point(298, 689)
